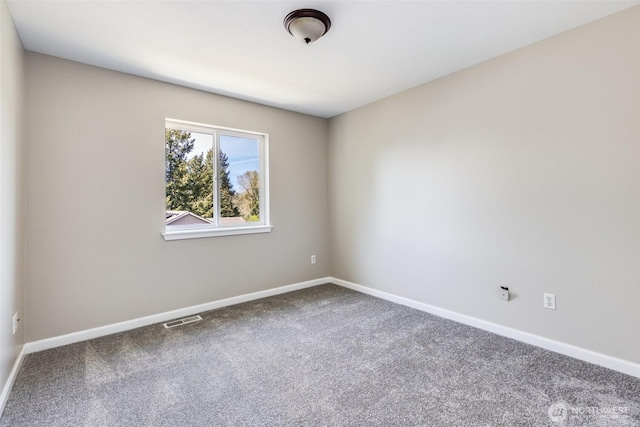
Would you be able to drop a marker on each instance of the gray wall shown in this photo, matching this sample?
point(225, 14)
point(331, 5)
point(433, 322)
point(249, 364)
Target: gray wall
point(12, 171)
point(95, 203)
point(521, 171)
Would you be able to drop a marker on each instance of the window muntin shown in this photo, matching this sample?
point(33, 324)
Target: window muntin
point(216, 179)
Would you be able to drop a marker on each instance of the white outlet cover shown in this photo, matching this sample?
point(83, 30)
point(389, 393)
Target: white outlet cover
point(549, 301)
point(15, 322)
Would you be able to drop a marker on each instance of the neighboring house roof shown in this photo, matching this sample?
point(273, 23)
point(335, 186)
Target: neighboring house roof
point(184, 218)
point(232, 220)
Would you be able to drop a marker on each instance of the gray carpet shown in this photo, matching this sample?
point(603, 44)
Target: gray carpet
point(323, 356)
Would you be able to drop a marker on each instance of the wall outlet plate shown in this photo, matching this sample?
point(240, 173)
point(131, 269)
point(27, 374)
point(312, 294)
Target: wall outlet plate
point(504, 293)
point(549, 301)
point(15, 322)
point(313, 259)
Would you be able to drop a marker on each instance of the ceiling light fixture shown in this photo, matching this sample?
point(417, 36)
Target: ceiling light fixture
point(307, 25)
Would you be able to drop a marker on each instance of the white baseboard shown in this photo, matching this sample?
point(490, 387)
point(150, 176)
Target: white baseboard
point(45, 344)
point(12, 378)
point(610, 362)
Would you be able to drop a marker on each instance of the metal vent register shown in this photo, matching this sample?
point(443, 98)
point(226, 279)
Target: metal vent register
point(182, 321)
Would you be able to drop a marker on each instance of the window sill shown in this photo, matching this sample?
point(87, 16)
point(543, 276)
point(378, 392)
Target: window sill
point(214, 232)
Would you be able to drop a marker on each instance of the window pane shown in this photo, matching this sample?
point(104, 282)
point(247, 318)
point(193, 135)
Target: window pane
point(239, 180)
point(216, 182)
point(188, 178)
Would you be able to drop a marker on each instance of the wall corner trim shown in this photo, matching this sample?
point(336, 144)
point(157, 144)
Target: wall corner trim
point(6, 390)
point(74, 337)
point(620, 365)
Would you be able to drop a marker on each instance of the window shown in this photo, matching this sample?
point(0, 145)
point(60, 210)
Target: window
point(216, 181)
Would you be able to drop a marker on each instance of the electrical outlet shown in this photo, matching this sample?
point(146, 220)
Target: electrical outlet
point(549, 301)
point(15, 322)
point(504, 293)
point(313, 259)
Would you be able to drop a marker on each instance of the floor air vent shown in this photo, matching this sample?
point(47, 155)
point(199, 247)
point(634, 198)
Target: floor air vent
point(181, 322)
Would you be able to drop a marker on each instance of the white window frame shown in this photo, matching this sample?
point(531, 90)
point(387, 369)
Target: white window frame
point(196, 231)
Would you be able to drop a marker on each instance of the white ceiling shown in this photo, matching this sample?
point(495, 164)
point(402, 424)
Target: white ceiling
point(241, 49)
